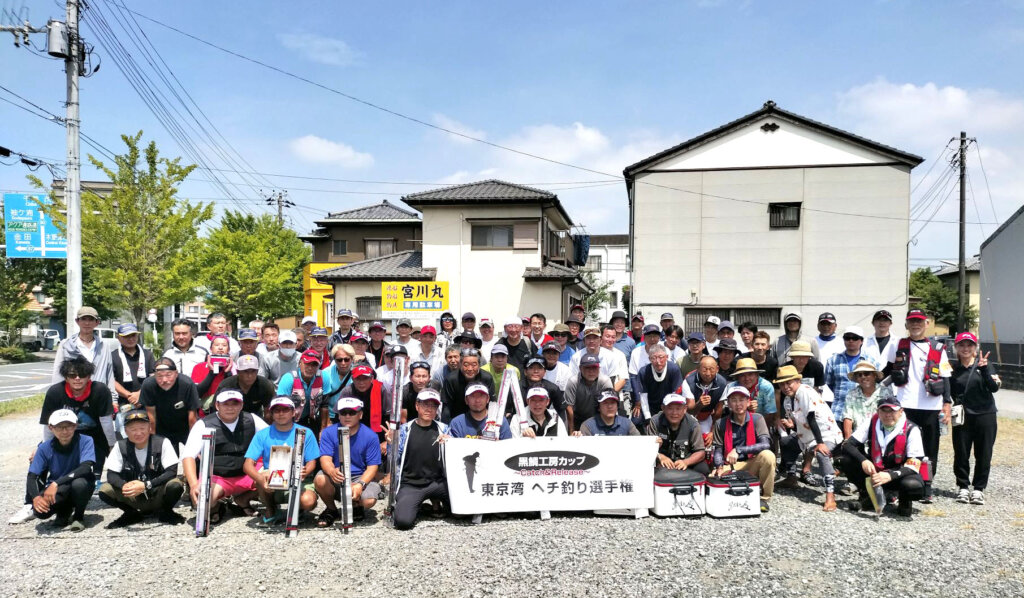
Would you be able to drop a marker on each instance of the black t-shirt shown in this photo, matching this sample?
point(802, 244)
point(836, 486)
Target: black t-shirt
point(519, 354)
point(422, 461)
point(770, 366)
point(259, 396)
point(133, 366)
point(172, 406)
point(89, 410)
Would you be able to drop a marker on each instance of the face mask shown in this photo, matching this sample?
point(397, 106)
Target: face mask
point(287, 353)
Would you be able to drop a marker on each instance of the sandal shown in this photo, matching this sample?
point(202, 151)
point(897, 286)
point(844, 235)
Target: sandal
point(249, 511)
point(215, 516)
point(327, 518)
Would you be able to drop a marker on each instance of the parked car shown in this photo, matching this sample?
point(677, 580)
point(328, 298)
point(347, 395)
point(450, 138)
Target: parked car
point(106, 333)
point(49, 338)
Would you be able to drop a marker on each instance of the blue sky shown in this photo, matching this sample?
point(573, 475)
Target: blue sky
point(598, 84)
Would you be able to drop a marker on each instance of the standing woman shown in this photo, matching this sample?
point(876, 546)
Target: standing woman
point(971, 385)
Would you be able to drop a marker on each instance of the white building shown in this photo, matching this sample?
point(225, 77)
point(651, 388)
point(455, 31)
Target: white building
point(769, 213)
point(1002, 286)
point(504, 249)
point(609, 261)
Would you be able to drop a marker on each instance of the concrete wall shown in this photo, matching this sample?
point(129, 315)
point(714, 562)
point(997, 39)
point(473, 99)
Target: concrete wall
point(1002, 284)
point(614, 268)
point(691, 242)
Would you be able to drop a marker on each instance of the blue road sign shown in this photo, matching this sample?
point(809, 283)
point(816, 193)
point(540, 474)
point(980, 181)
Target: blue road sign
point(29, 231)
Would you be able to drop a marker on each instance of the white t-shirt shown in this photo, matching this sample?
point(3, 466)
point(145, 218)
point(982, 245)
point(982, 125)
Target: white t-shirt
point(559, 376)
point(826, 349)
point(913, 395)
point(194, 444)
point(485, 349)
point(168, 457)
point(915, 448)
point(807, 403)
point(619, 369)
point(606, 357)
point(640, 358)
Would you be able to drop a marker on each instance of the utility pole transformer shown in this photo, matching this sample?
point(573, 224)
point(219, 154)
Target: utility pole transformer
point(961, 281)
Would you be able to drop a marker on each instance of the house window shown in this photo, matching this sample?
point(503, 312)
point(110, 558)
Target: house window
point(511, 235)
point(368, 308)
point(784, 215)
point(380, 248)
point(762, 317)
point(193, 309)
point(339, 247)
point(593, 264)
point(613, 299)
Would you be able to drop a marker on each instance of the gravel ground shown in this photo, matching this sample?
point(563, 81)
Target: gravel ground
point(795, 550)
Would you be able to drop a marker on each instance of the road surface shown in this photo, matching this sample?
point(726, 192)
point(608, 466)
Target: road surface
point(24, 379)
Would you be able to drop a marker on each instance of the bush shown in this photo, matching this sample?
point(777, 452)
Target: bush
point(16, 355)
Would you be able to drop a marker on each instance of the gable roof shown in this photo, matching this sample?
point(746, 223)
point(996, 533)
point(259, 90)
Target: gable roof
point(491, 191)
point(385, 211)
point(404, 265)
point(771, 109)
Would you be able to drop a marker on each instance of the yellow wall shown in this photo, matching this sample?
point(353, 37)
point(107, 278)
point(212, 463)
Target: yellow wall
point(314, 293)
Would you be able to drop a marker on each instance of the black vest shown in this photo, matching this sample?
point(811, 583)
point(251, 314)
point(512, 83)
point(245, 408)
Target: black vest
point(229, 452)
point(131, 469)
point(676, 445)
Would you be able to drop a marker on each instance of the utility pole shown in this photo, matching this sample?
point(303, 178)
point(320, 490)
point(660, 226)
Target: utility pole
point(73, 183)
point(961, 281)
point(281, 199)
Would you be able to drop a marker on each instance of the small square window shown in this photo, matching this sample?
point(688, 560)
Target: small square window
point(784, 215)
point(339, 247)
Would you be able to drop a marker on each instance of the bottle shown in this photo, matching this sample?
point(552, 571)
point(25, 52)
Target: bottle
point(943, 428)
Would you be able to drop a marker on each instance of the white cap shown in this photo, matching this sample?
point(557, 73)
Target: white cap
point(429, 394)
point(63, 415)
point(713, 320)
point(854, 330)
point(673, 398)
point(486, 321)
point(514, 321)
point(349, 403)
point(537, 391)
point(282, 401)
point(229, 395)
point(287, 336)
point(309, 319)
point(472, 388)
point(737, 389)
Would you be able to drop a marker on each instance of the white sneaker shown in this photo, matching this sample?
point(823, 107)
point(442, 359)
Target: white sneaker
point(24, 514)
point(964, 496)
point(977, 497)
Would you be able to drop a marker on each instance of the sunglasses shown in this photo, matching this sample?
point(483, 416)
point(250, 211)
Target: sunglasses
point(851, 338)
point(348, 412)
point(76, 377)
point(863, 374)
point(556, 334)
point(342, 359)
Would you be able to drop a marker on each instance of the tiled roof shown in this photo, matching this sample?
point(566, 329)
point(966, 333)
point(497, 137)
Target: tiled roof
point(973, 265)
point(404, 265)
point(492, 189)
point(553, 271)
point(382, 211)
point(609, 240)
point(770, 109)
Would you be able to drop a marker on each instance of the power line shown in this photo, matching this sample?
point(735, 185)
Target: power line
point(988, 189)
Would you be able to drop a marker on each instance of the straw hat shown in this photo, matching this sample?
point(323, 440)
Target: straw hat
point(865, 366)
point(787, 373)
point(800, 349)
point(746, 366)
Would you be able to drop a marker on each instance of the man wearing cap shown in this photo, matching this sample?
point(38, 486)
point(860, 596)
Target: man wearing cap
point(185, 353)
point(556, 371)
point(920, 372)
point(656, 380)
point(728, 330)
point(607, 422)
point(623, 341)
point(760, 352)
point(541, 419)
point(376, 401)
point(839, 366)
point(256, 390)
point(887, 453)
point(426, 349)
point(535, 377)
point(592, 338)
point(520, 349)
point(742, 442)
point(760, 391)
point(403, 330)
point(360, 343)
point(88, 399)
point(248, 342)
point(307, 324)
point(469, 322)
point(60, 478)
point(704, 390)
point(680, 441)
point(281, 432)
point(667, 319)
point(791, 323)
point(810, 422)
point(132, 365)
point(584, 390)
point(318, 342)
point(217, 325)
point(499, 363)
point(89, 345)
point(578, 312)
point(636, 327)
point(827, 342)
point(467, 339)
point(421, 474)
point(142, 475)
point(695, 352)
point(538, 325)
point(377, 343)
point(419, 379)
point(386, 372)
point(235, 430)
point(487, 339)
point(343, 333)
point(467, 373)
point(308, 387)
point(727, 351)
point(862, 400)
point(365, 460)
point(282, 360)
point(172, 401)
point(575, 340)
point(711, 334)
point(876, 344)
point(471, 424)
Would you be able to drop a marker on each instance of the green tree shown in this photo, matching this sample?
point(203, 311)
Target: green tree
point(251, 266)
point(599, 298)
point(939, 301)
point(136, 238)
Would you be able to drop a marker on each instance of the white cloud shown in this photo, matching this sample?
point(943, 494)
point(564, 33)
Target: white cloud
point(324, 151)
point(325, 50)
point(455, 126)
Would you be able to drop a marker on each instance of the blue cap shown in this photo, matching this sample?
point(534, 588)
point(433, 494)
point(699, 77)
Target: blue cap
point(248, 334)
point(652, 329)
point(696, 336)
point(318, 331)
point(727, 324)
point(127, 330)
point(589, 360)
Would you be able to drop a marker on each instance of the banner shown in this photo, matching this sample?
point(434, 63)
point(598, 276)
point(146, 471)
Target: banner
point(412, 299)
point(550, 474)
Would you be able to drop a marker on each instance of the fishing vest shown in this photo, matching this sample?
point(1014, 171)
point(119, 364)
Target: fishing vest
point(931, 376)
point(131, 469)
point(230, 447)
point(674, 446)
point(313, 401)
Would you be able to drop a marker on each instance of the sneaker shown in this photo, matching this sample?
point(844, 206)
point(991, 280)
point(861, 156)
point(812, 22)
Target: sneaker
point(125, 519)
point(929, 498)
point(59, 521)
point(977, 497)
point(25, 513)
point(964, 496)
point(76, 526)
point(764, 506)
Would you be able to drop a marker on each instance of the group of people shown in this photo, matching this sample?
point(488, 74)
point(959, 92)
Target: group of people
point(865, 407)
